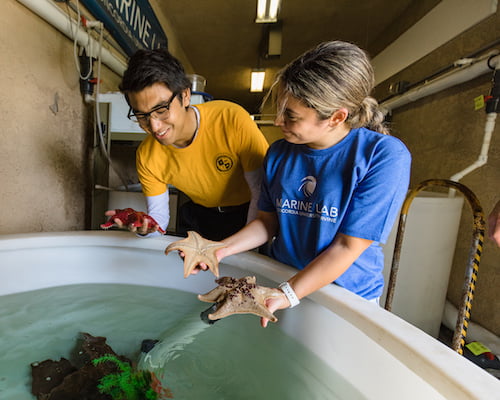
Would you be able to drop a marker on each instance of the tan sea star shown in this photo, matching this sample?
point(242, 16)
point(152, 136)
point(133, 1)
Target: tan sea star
point(197, 250)
point(240, 296)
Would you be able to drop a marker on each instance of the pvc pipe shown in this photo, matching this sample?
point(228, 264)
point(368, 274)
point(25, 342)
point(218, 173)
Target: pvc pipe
point(455, 77)
point(483, 155)
point(489, 127)
point(47, 10)
point(473, 69)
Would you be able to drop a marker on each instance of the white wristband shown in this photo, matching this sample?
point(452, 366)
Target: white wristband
point(289, 293)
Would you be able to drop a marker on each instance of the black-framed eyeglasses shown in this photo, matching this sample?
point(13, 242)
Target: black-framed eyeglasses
point(160, 112)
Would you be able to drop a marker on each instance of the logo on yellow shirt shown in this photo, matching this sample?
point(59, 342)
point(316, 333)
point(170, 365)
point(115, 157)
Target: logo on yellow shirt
point(224, 163)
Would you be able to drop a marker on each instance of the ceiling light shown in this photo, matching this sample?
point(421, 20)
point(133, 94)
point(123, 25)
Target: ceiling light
point(257, 80)
point(267, 11)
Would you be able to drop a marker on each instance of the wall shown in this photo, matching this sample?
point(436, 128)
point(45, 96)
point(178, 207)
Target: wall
point(44, 127)
point(444, 134)
point(174, 45)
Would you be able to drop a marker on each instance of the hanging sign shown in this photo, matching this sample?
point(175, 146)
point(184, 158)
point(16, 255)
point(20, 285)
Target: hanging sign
point(132, 23)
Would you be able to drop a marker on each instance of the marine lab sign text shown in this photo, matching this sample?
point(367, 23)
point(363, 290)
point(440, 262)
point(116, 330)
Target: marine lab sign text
point(132, 23)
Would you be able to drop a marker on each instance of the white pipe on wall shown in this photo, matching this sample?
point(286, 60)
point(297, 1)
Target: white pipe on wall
point(473, 69)
point(51, 13)
point(488, 131)
point(477, 67)
point(483, 155)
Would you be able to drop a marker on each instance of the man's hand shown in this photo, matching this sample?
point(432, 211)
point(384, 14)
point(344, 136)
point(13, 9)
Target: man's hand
point(135, 221)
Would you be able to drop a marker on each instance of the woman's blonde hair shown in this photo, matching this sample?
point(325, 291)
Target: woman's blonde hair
point(331, 76)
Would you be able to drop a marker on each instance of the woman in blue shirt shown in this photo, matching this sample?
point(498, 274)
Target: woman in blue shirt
point(332, 188)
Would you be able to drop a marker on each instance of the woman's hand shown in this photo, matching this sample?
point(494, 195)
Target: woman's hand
point(273, 304)
point(220, 254)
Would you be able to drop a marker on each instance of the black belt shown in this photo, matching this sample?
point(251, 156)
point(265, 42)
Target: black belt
point(228, 209)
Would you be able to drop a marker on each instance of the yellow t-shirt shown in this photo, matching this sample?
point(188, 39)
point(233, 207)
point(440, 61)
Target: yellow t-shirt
point(209, 170)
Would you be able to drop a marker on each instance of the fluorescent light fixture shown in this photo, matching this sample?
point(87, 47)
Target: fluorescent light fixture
point(257, 80)
point(267, 11)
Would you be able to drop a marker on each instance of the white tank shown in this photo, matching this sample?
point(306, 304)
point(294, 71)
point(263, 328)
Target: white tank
point(426, 258)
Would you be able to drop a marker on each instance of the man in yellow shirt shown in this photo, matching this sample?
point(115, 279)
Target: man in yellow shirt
point(212, 152)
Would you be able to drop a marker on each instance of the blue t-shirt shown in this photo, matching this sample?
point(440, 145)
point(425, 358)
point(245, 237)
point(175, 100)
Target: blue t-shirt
point(355, 187)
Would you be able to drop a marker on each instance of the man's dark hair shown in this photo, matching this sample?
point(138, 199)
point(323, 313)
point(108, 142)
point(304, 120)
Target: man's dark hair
point(147, 67)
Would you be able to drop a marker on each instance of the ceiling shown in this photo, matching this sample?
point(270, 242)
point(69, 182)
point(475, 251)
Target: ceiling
point(223, 43)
